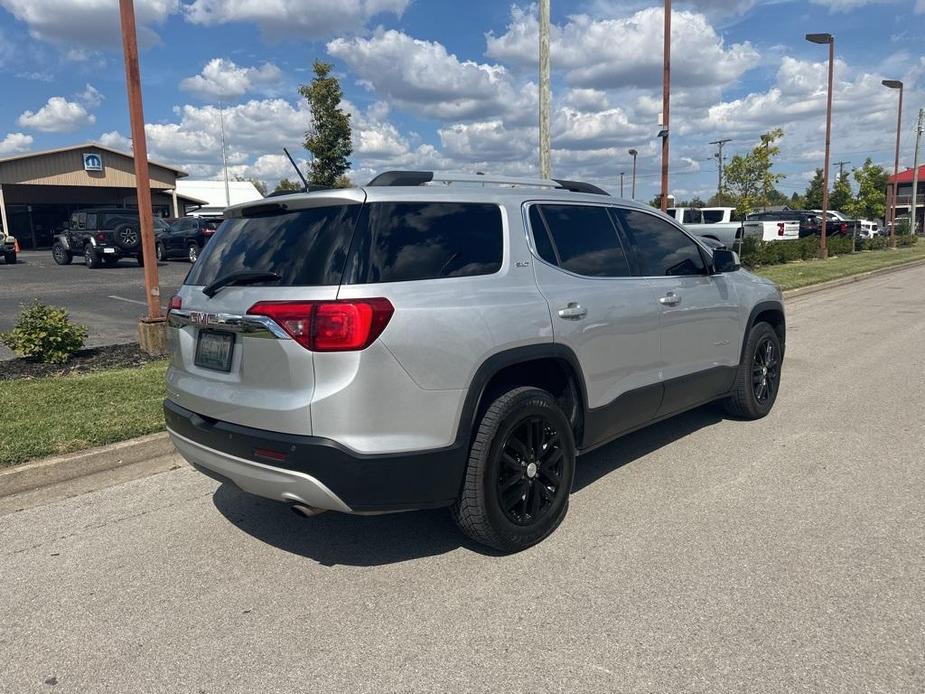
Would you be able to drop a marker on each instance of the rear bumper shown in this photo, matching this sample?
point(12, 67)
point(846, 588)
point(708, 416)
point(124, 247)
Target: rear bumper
point(316, 471)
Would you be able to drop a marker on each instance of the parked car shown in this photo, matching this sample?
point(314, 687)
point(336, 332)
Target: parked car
point(869, 229)
point(404, 346)
point(725, 231)
point(185, 238)
point(808, 220)
point(841, 224)
point(7, 247)
point(100, 236)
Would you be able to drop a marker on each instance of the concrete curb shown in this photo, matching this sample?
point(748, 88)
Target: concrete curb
point(851, 279)
point(48, 471)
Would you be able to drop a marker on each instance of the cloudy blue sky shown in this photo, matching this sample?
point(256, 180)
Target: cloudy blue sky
point(452, 85)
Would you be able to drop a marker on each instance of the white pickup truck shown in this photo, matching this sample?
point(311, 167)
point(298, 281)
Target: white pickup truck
point(7, 247)
point(719, 224)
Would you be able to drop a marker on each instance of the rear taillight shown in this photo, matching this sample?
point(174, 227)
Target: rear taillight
point(844, 228)
point(208, 232)
point(101, 238)
point(329, 326)
point(175, 303)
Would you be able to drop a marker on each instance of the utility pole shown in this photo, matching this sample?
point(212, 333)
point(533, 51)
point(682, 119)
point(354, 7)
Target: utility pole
point(622, 173)
point(666, 103)
point(221, 120)
point(152, 328)
point(719, 157)
point(545, 92)
point(841, 167)
point(915, 171)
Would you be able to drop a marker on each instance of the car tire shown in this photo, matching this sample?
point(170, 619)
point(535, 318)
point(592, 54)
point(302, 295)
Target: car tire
point(192, 252)
point(110, 260)
point(161, 252)
point(127, 236)
point(91, 259)
point(757, 380)
point(10, 258)
point(520, 472)
point(61, 255)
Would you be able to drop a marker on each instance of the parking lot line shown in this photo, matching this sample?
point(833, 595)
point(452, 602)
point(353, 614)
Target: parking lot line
point(131, 301)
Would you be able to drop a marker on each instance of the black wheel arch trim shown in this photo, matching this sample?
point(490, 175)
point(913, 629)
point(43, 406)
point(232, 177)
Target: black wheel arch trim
point(757, 310)
point(499, 361)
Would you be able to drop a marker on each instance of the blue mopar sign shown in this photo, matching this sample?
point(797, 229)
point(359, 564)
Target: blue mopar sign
point(93, 161)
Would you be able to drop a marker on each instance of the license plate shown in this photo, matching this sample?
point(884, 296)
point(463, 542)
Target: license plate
point(109, 250)
point(214, 350)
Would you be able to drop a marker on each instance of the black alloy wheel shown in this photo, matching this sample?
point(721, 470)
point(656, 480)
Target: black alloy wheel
point(765, 372)
point(530, 470)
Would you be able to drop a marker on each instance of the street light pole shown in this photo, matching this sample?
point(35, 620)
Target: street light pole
point(719, 157)
point(895, 84)
point(221, 120)
point(621, 183)
point(545, 92)
point(666, 103)
point(823, 39)
point(633, 154)
point(142, 180)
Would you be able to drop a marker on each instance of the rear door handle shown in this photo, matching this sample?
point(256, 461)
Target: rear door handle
point(670, 299)
point(573, 312)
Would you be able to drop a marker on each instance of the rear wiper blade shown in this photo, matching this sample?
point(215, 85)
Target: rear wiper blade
point(242, 277)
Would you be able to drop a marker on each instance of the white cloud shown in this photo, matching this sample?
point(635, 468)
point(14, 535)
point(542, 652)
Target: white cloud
point(305, 19)
point(613, 53)
point(15, 143)
point(116, 140)
point(57, 116)
point(223, 79)
point(848, 5)
point(90, 96)
point(422, 76)
point(88, 23)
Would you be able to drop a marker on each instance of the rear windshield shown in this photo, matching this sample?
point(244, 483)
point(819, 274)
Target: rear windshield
point(306, 248)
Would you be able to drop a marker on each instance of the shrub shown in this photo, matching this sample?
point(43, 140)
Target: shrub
point(876, 243)
point(45, 333)
point(906, 240)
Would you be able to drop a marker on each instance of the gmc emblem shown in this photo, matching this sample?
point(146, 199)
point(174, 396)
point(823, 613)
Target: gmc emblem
point(200, 318)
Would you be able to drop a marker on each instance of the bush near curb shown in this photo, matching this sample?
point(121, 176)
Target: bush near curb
point(758, 253)
point(46, 334)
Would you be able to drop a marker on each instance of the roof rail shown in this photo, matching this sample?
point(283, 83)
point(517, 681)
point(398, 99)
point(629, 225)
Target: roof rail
point(419, 178)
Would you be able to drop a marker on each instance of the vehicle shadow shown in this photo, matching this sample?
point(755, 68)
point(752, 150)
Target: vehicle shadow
point(339, 539)
point(592, 466)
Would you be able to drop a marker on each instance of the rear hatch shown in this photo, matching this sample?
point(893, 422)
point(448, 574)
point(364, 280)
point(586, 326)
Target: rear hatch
point(228, 363)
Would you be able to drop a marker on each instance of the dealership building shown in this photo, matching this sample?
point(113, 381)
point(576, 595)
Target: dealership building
point(40, 190)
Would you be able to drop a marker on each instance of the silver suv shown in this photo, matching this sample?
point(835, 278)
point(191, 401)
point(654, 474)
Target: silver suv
point(451, 340)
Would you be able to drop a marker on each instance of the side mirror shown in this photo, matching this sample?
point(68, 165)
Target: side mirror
point(725, 260)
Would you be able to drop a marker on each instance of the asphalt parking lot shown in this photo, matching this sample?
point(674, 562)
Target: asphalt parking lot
point(109, 301)
point(701, 554)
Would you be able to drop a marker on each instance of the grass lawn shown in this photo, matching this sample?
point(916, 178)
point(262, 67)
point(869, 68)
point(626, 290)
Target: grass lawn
point(61, 414)
point(805, 272)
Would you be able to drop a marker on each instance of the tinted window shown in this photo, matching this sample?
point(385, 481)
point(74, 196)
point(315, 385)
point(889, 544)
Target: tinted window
point(660, 248)
point(305, 247)
point(111, 221)
point(210, 224)
point(91, 221)
point(398, 242)
point(692, 217)
point(712, 216)
point(541, 236)
point(586, 240)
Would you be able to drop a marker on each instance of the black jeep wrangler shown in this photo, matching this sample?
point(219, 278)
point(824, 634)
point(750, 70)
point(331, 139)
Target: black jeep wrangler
point(101, 236)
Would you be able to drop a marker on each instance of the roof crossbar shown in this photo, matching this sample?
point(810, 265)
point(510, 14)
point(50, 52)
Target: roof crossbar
point(419, 178)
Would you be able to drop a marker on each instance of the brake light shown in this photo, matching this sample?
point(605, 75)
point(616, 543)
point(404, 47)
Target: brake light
point(329, 326)
point(208, 232)
point(175, 303)
point(101, 238)
point(844, 228)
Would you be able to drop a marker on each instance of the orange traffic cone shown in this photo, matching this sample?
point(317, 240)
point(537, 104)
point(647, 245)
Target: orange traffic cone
point(16, 245)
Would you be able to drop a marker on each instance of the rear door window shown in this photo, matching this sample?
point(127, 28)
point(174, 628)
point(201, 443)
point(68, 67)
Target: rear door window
point(405, 241)
point(584, 239)
point(306, 248)
point(660, 248)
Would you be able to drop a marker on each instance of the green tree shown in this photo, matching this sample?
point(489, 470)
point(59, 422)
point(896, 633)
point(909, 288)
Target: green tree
point(813, 195)
point(287, 186)
point(870, 202)
point(750, 178)
point(328, 137)
point(842, 196)
point(797, 202)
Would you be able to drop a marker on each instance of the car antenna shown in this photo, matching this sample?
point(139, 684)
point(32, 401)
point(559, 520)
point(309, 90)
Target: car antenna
point(299, 172)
